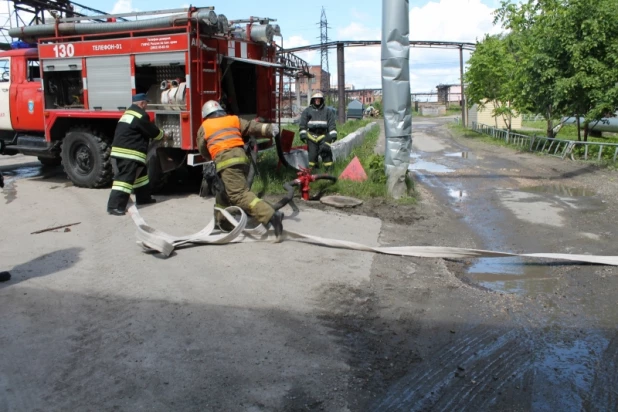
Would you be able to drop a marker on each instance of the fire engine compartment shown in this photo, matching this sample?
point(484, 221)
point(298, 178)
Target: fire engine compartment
point(179, 62)
point(91, 66)
point(64, 89)
point(239, 88)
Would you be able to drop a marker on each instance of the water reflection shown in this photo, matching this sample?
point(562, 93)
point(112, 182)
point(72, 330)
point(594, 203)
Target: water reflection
point(513, 275)
point(562, 190)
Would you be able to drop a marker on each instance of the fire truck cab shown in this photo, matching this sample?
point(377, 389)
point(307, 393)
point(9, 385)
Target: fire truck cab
point(61, 100)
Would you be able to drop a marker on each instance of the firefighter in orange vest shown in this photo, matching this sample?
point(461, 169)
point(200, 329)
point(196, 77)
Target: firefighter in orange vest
point(221, 138)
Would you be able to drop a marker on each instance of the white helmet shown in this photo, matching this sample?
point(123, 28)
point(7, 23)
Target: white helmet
point(210, 107)
point(317, 95)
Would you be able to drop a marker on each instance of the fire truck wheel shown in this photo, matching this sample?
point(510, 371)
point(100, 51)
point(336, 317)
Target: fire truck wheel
point(86, 158)
point(50, 161)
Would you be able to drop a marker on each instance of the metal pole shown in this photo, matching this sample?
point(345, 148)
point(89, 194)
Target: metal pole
point(341, 82)
point(463, 99)
point(298, 103)
point(396, 94)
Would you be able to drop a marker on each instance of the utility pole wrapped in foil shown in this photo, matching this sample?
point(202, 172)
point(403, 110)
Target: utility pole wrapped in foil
point(396, 93)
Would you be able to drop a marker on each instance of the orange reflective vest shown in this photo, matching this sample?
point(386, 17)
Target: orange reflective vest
point(222, 133)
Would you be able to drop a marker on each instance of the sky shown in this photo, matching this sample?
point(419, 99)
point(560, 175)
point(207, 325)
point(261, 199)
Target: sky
point(439, 20)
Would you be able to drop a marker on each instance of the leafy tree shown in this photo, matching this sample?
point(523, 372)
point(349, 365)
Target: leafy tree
point(533, 49)
point(566, 54)
point(489, 77)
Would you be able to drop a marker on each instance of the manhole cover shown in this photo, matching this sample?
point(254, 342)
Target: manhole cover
point(341, 201)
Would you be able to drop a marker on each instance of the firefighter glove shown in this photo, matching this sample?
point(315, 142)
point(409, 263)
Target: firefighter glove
point(303, 136)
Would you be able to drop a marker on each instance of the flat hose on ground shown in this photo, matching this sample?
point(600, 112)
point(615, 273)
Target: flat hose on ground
point(154, 240)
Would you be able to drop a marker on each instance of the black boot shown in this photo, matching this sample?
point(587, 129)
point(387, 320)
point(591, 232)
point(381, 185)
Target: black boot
point(116, 212)
point(277, 223)
point(5, 276)
point(146, 201)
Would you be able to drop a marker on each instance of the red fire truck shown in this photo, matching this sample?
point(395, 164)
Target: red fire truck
point(61, 99)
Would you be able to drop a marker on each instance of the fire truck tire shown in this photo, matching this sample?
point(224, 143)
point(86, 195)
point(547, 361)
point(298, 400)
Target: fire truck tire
point(86, 157)
point(50, 161)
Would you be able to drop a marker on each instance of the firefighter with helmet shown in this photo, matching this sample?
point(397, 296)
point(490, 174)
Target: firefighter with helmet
point(319, 130)
point(129, 148)
point(221, 138)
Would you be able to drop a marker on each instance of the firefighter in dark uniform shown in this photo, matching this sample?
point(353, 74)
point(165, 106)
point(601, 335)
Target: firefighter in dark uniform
point(129, 148)
point(220, 138)
point(319, 130)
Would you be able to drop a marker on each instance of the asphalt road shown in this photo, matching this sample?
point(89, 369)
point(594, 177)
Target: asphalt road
point(90, 322)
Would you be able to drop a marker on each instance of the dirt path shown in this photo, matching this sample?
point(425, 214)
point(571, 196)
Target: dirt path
point(492, 334)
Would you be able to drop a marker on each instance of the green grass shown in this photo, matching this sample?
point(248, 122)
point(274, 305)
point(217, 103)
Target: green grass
point(466, 133)
point(271, 181)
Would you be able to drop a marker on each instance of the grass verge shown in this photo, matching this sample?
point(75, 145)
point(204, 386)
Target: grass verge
point(472, 135)
point(271, 180)
point(567, 132)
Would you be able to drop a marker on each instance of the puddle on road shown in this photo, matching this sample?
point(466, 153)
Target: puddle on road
point(427, 166)
point(513, 275)
point(11, 177)
point(457, 194)
point(561, 190)
point(22, 173)
point(9, 192)
point(463, 155)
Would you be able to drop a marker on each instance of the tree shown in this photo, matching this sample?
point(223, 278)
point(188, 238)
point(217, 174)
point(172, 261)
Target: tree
point(533, 49)
point(489, 78)
point(566, 54)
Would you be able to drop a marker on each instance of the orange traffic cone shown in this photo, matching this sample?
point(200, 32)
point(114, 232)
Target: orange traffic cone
point(354, 171)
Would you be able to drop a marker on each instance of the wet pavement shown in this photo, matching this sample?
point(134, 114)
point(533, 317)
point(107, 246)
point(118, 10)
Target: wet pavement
point(14, 169)
point(474, 186)
point(512, 209)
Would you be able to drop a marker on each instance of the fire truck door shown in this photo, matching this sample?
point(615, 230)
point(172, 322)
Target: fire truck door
point(5, 87)
point(28, 111)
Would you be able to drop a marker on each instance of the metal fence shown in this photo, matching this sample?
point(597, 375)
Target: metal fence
point(575, 150)
point(532, 117)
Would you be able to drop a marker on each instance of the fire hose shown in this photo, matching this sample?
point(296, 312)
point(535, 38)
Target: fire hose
point(153, 240)
point(302, 181)
point(156, 241)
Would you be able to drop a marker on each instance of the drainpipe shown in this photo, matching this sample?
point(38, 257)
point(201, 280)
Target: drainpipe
point(396, 94)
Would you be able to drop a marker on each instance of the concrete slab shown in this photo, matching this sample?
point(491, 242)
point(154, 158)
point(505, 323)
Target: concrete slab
point(89, 321)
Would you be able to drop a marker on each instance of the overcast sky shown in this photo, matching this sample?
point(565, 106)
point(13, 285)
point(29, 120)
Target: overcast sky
point(443, 20)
